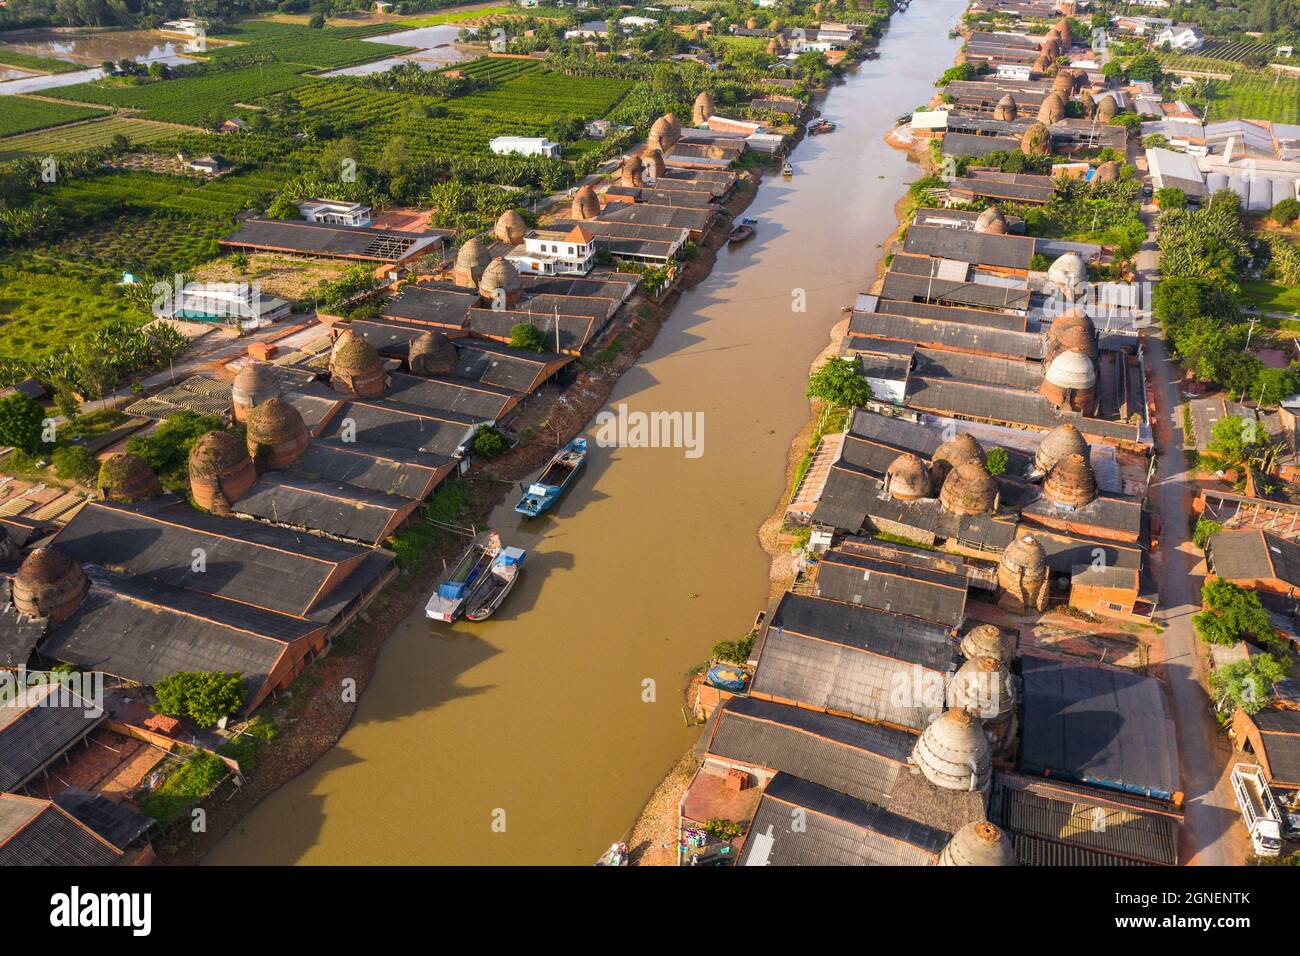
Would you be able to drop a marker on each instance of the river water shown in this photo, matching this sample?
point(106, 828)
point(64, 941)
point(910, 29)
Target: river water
point(527, 739)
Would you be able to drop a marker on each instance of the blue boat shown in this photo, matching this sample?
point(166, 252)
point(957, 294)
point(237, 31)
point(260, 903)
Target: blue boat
point(555, 477)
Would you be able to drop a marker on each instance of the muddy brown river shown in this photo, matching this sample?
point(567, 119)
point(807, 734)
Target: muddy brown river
point(526, 739)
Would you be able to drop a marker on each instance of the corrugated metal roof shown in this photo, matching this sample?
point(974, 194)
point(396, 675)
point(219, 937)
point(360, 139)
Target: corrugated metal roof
point(833, 830)
point(1100, 725)
point(846, 755)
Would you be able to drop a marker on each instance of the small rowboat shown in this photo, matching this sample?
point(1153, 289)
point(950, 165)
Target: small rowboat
point(787, 170)
point(496, 584)
point(554, 479)
point(820, 126)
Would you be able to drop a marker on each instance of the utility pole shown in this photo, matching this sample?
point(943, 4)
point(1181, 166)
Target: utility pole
point(1250, 333)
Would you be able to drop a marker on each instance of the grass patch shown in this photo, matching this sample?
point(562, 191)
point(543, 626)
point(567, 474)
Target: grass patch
point(1272, 296)
point(190, 100)
point(185, 786)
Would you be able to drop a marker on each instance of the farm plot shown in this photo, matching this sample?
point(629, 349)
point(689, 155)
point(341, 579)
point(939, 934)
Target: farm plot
point(1257, 96)
point(290, 43)
point(100, 197)
point(22, 114)
point(525, 105)
point(70, 139)
point(47, 304)
point(189, 100)
point(496, 69)
point(1235, 51)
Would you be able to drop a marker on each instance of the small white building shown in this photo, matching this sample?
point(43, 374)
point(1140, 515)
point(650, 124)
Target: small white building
point(638, 23)
point(187, 27)
point(811, 46)
point(335, 211)
point(1014, 71)
point(1180, 36)
point(208, 165)
point(549, 252)
point(525, 146)
point(228, 302)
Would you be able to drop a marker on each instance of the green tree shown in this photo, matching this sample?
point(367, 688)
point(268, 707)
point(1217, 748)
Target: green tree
point(340, 158)
point(21, 423)
point(1234, 439)
point(838, 382)
point(204, 697)
point(1246, 684)
point(317, 21)
point(1231, 614)
point(1145, 66)
point(526, 338)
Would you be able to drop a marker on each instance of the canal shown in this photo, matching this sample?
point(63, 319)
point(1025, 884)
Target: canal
point(528, 739)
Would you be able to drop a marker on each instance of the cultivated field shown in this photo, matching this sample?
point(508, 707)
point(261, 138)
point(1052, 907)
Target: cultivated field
point(47, 303)
point(189, 100)
point(22, 114)
point(524, 105)
point(67, 139)
point(1258, 96)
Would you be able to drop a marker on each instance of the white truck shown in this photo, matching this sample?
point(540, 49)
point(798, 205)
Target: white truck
point(1258, 809)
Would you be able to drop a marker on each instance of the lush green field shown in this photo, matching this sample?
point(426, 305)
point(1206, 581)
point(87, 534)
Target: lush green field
point(22, 114)
point(98, 197)
point(523, 105)
point(41, 64)
point(48, 303)
point(330, 48)
point(496, 69)
point(1258, 96)
point(190, 100)
point(68, 139)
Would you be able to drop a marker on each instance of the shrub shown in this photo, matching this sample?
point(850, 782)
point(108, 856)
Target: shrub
point(737, 652)
point(75, 463)
point(488, 442)
point(526, 338)
point(1204, 530)
point(996, 461)
point(1286, 212)
point(167, 448)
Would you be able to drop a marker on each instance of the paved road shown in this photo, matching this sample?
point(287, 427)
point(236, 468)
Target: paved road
point(1213, 834)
